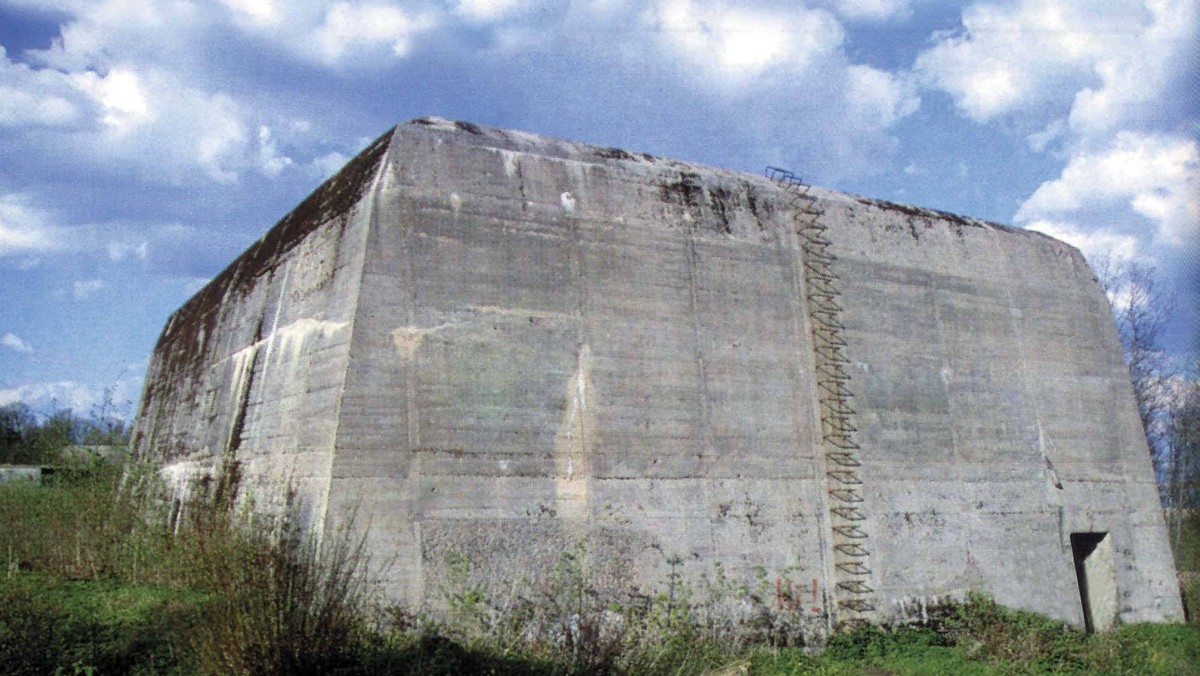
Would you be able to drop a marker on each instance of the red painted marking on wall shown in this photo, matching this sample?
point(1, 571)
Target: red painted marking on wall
point(788, 595)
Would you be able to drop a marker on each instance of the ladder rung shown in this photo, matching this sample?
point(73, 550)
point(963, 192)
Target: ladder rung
point(844, 459)
point(837, 407)
point(844, 476)
point(855, 587)
point(831, 353)
point(828, 336)
point(852, 532)
point(842, 441)
point(838, 425)
point(853, 568)
point(834, 370)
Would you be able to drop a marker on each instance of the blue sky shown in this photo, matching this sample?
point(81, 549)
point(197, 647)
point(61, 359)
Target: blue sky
point(145, 143)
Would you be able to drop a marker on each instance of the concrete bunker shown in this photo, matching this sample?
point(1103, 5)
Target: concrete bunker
point(502, 346)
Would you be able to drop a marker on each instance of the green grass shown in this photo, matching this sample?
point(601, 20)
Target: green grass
point(1184, 530)
point(1150, 649)
point(49, 624)
point(91, 583)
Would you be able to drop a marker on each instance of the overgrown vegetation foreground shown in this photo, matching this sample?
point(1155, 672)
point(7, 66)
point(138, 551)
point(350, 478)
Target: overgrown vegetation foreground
point(94, 583)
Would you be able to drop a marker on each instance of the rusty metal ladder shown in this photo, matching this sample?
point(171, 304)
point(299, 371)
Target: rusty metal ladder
point(851, 551)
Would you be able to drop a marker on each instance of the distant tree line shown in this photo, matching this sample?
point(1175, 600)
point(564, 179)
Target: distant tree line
point(27, 438)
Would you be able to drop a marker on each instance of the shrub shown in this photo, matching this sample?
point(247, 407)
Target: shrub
point(279, 599)
point(985, 628)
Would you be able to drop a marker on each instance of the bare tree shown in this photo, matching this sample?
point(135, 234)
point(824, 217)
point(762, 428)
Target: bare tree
point(1181, 491)
point(1141, 307)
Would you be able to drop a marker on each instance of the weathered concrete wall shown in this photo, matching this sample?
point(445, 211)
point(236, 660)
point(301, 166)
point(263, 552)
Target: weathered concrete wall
point(252, 368)
point(498, 345)
point(995, 415)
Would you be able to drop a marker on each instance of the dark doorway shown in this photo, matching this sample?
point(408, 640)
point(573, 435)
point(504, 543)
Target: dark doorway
point(1097, 580)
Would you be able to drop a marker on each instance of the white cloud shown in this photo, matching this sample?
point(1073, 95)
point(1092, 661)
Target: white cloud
point(270, 161)
point(120, 95)
point(220, 139)
point(119, 251)
point(15, 343)
point(367, 26)
point(879, 97)
point(49, 397)
point(115, 398)
point(127, 80)
point(874, 10)
point(739, 42)
point(490, 10)
point(181, 130)
point(1036, 52)
point(1134, 71)
point(1099, 80)
point(30, 97)
point(24, 228)
point(1157, 176)
point(63, 394)
point(328, 164)
point(84, 289)
point(19, 107)
point(258, 11)
point(1038, 141)
point(1095, 244)
point(104, 34)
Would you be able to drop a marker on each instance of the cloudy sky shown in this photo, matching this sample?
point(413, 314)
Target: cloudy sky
point(145, 143)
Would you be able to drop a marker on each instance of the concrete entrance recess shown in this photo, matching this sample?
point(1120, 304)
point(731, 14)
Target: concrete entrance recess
point(1094, 571)
point(498, 345)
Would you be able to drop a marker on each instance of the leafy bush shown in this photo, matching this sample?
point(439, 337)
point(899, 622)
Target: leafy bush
point(984, 627)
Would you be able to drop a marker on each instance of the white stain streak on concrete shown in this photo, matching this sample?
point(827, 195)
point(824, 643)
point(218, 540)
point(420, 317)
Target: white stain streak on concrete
point(243, 364)
point(407, 339)
point(510, 162)
point(568, 201)
point(571, 446)
point(289, 340)
point(293, 336)
point(455, 203)
point(179, 478)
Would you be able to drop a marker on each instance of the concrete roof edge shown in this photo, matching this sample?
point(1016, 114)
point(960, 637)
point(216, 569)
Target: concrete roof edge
point(549, 146)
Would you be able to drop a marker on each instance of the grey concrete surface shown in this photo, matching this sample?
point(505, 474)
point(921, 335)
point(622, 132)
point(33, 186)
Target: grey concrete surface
point(498, 345)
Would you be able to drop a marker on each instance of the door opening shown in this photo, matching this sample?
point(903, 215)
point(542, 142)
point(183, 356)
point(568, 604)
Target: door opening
point(1094, 571)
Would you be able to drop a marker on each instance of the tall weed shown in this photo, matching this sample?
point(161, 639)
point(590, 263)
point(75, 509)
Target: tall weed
point(280, 600)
